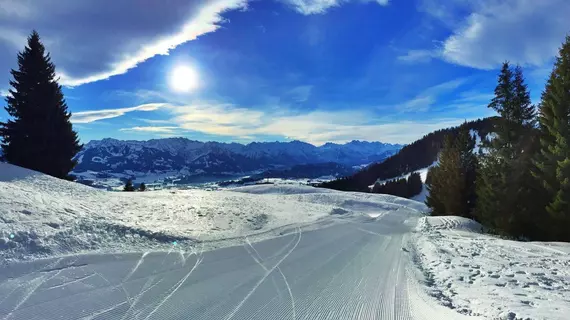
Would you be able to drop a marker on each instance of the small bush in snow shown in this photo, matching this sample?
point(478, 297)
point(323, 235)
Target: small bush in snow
point(129, 186)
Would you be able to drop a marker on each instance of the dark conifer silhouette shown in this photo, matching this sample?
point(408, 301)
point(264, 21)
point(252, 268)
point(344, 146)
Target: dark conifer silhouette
point(39, 135)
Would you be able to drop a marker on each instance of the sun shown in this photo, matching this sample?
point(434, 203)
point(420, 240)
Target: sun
point(184, 78)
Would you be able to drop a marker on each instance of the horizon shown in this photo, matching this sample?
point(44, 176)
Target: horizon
point(261, 71)
point(246, 143)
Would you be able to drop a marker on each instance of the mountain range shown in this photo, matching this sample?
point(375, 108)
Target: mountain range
point(112, 156)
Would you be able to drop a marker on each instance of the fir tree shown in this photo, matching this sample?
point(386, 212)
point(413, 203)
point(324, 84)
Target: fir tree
point(129, 186)
point(503, 182)
point(142, 187)
point(465, 144)
point(447, 182)
point(39, 136)
point(525, 113)
point(414, 184)
point(433, 186)
point(553, 160)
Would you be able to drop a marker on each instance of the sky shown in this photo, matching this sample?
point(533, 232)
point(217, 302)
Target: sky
point(279, 70)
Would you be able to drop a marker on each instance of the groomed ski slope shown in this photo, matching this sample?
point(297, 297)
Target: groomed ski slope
point(355, 270)
point(262, 252)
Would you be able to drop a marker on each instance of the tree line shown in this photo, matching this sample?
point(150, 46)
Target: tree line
point(420, 154)
point(519, 182)
point(403, 187)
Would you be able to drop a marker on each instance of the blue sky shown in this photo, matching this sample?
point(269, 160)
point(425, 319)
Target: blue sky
point(312, 70)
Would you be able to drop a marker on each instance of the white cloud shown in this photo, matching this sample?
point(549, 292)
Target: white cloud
point(219, 119)
point(418, 56)
point(151, 129)
point(527, 32)
point(154, 121)
point(419, 103)
point(428, 97)
point(86, 48)
point(308, 7)
point(474, 96)
point(316, 127)
point(95, 115)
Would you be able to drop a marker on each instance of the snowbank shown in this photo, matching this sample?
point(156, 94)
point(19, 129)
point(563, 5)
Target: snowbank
point(42, 216)
point(477, 274)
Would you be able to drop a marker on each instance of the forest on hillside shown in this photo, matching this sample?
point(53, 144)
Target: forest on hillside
point(417, 155)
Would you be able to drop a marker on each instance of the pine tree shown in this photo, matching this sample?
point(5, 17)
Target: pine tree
point(142, 187)
point(525, 113)
point(448, 187)
point(414, 184)
point(129, 186)
point(503, 182)
point(553, 160)
point(433, 186)
point(40, 135)
point(465, 144)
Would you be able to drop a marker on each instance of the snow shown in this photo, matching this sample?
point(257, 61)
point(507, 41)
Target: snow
point(423, 174)
point(43, 216)
point(477, 140)
point(479, 274)
point(422, 196)
point(262, 251)
point(351, 270)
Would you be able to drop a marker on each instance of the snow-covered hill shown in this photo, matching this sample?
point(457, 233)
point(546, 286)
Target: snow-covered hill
point(194, 157)
point(43, 216)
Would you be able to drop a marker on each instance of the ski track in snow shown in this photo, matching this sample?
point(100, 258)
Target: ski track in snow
point(210, 255)
point(258, 259)
point(339, 272)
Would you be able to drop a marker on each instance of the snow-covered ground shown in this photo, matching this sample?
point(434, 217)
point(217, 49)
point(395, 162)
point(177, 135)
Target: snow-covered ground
point(43, 216)
point(446, 269)
point(479, 274)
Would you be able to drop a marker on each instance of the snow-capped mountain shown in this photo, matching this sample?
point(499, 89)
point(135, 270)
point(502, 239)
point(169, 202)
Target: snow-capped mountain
point(188, 156)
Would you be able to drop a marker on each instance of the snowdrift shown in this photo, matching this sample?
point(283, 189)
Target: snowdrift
point(451, 223)
point(43, 216)
point(481, 275)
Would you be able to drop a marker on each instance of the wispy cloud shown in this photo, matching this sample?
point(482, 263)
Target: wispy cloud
point(418, 56)
point(220, 119)
point(428, 97)
point(419, 103)
point(95, 115)
point(233, 121)
point(308, 7)
point(299, 93)
point(152, 129)
point(154, 121)
point(318, 127)
point(141, 96)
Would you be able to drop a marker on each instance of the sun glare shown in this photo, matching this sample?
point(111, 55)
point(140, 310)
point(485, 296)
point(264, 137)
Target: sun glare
point(184, 78)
